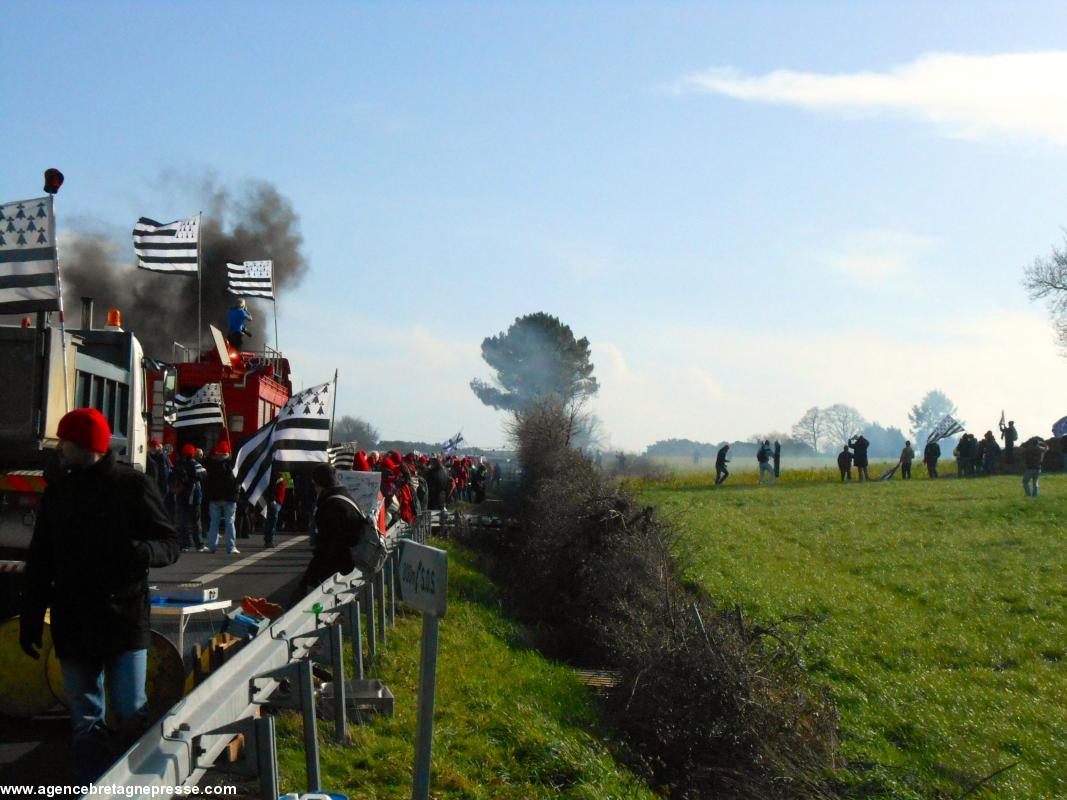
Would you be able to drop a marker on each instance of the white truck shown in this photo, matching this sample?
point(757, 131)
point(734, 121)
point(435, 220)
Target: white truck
point(104, 370)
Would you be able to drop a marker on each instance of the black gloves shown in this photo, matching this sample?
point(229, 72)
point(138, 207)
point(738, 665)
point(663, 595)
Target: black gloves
point(30, 633)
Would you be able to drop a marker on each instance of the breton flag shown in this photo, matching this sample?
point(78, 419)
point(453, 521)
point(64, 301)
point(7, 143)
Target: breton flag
point(170, 247)
point(299, 435)
point(29, 273)
point(203, 407)
point(946, 427)
point(451, 445)
point(889, 473)
point(342, 456)
point(251, 279)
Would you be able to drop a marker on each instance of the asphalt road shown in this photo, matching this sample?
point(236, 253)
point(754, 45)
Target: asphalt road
point(36, 751)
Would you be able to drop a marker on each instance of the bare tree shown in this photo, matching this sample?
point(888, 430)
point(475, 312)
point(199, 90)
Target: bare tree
point(1046, 279)
point(811, 427)
point(842, 423)
point(926, 414)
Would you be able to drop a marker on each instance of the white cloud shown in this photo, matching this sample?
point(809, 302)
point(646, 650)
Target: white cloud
point(964, 96)
point(874, 257)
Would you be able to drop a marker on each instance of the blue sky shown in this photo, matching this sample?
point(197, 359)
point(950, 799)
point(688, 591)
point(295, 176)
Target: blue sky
point(748, 208)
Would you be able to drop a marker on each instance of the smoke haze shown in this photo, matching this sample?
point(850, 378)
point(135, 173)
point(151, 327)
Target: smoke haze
point(254, 223)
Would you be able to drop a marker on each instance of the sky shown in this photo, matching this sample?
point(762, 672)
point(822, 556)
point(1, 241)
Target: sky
point(748, 208)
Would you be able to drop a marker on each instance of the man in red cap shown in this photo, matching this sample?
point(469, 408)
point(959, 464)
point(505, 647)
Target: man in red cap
point(187, 489)
point(100, 527)
point(220, 489)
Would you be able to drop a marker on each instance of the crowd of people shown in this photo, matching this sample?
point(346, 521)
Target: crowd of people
point(973, 456)
point(103, 524)
point(206, 505)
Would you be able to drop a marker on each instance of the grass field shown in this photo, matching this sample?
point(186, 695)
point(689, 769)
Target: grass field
point(938, 609)
point(509, 723)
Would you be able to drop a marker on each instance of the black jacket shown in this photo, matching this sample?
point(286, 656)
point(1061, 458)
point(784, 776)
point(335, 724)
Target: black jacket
point(220, 484)
point(859, 447)
point(932, 452)
point(98, 531)
point(338, 528)
point(440, 483)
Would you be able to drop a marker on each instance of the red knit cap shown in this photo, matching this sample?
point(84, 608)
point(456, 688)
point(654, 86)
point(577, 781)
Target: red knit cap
point(86, 427)
point(222, 448)
point(188, 450)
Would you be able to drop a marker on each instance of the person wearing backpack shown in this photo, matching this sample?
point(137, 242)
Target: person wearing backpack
point(340, 524)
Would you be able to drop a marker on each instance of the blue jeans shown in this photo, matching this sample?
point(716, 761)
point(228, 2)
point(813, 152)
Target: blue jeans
point(766, 469)
point(92, 748)
point(1030, 475)
point(271, 525)
point(222, 511)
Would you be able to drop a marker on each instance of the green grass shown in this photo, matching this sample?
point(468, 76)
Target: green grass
point(508, 724)
point(939, 616)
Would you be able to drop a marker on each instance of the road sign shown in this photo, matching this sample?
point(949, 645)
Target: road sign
point(424, 578)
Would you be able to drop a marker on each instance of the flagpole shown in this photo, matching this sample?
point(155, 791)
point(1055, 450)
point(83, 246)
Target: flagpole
point(199, 286)
point(333, 411)
point(59, 290)
point(274, 298)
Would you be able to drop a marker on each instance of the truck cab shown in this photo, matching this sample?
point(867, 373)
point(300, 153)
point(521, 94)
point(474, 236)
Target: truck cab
point(46, 373)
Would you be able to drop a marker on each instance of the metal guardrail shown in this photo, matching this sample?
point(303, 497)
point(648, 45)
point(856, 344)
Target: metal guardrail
point(273, 667)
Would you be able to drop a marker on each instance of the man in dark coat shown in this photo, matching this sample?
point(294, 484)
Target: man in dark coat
point(859, 445)
point(930, 456)
point(340, 523)
point(844, 464)
point(440, 483)
point(721, 471)
point(100, 527)
point(777, 459)
point(220, 491)
point(157, 466)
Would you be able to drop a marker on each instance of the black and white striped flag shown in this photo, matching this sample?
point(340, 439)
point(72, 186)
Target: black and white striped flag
point(299, 435)
point(28, 272)
point(342, 456)
point(451, 445)
point(251, 279)
point(204, 407)
point(946, 427)
point(170, 247)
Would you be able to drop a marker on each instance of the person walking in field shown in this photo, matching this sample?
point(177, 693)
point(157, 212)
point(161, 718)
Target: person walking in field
point(777, 459)
point(763, 457)
point(844, 464)
point(721, 472)
point(1033, 454)
point(859, 445)
point(930, 456)
point(907, 455)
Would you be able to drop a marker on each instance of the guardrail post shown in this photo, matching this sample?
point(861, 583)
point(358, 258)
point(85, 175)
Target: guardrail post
point(311, 739)
point(337, 662)
point(372, 640)
point(357, 639)
point(379, 586)
point(266, 757)
point(390, 565)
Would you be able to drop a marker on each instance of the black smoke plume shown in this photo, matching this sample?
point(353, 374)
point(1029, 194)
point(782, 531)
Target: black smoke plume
point(254, 223)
